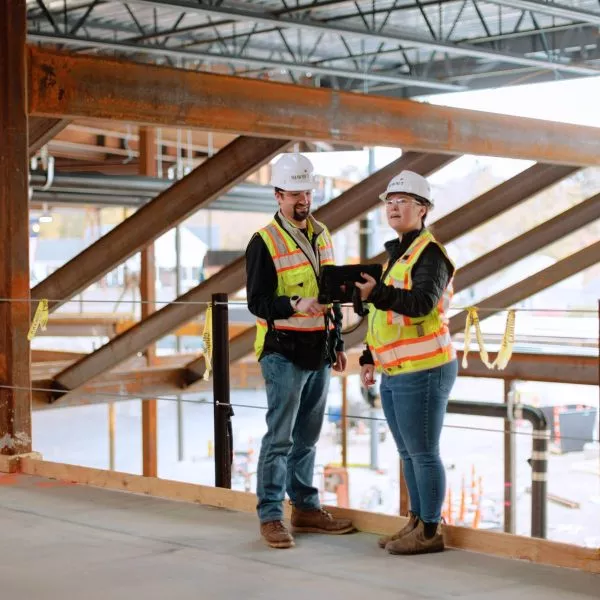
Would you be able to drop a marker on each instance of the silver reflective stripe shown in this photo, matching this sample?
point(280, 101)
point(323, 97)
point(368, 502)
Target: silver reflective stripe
point(299, 323)
point(412, 349)
point(277, 238)
point(290, 261)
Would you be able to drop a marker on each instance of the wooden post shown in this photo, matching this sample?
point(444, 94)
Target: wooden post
point(344, 421)
point(404, 497)
point(15, 362)
point(112, 425)
point(147, 150)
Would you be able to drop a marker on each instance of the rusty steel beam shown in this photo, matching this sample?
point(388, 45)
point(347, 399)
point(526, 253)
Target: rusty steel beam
point(499, 199)
point(68, 86)
point(203, 185)
point(42, 130)
point(343, 209)
point(15, 361)
point(551, 368)
point(166, 379)
point(473, 214)
point(532, 285)
point(563, 224)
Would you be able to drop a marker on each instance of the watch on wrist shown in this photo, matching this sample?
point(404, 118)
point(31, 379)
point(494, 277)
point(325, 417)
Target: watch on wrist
point(294, 300)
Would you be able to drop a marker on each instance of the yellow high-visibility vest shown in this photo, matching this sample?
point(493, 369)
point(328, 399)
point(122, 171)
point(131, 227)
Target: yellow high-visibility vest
point(401, 344)
point(295, 276)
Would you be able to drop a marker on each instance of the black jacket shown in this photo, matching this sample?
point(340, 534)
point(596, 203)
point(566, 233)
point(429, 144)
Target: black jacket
point(310, 350)
point(430, 276)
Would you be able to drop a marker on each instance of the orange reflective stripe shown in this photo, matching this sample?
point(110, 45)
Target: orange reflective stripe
point(409, 342)
point(299, 322)
point(276, 240)
point(403, 350)
point(447, 350)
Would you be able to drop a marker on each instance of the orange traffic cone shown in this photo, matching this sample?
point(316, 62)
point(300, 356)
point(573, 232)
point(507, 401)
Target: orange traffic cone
point(463, 507)
point(450, 519)
point(473, 486)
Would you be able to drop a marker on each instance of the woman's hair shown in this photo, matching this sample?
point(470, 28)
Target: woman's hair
point(424, 202)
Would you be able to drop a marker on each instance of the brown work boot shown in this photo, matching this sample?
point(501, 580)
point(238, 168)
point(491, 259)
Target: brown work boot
point(415, 542)
point(319, 520)
point(412, 523)
point(276, 534)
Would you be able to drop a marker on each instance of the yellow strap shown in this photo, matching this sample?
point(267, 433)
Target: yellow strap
point(508, 341)
point(473, 318)
point(40, 319)
point(207, 339)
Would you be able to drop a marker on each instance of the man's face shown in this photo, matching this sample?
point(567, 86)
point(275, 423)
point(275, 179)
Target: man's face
point(295, 205)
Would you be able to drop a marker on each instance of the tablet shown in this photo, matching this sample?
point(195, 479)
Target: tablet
point(336, 283)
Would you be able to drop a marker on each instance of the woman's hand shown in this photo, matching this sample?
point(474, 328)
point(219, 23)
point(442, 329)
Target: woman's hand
point(367, 375)
point(366, 288)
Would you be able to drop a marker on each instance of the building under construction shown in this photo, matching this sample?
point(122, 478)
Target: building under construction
point(136, 144)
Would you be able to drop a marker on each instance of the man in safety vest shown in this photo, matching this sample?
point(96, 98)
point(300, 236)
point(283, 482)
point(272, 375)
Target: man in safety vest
point(409, 343)
point(297, 342)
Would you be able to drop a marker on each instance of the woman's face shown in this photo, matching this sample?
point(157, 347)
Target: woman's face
point(404, 213)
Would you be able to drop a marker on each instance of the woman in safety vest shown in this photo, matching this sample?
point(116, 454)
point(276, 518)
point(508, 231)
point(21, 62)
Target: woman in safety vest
point(409, 343)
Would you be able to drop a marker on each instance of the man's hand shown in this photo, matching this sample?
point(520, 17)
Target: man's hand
point(310, 306)
point(366, 288)
point(340, 363)
point(367, 375)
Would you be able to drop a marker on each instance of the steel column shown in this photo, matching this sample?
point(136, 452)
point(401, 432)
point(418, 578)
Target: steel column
point(147, 165)
point(222, 403)
point(15, 364)
point(510, 463)
point(203, 185)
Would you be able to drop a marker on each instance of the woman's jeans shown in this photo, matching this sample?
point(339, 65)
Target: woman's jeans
point(296, 400)
point(414, 405)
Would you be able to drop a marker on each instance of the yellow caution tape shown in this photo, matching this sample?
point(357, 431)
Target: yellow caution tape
point(508, 341)
point(473, 318)
point(506, 347)
point(207, 339)
point(40, 319)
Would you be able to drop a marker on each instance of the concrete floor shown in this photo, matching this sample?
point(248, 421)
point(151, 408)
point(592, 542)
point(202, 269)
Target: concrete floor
point(60, 541)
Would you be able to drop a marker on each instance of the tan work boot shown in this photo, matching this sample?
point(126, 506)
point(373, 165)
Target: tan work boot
point(319, 521)
point(276, 534)
point(412, 523)
point(415, 542)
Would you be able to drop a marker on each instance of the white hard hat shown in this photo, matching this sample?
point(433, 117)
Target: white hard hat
point(411, 183)
point(293, 172)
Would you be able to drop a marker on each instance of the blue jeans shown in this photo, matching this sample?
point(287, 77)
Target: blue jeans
point(296, 401)
point(414, 405)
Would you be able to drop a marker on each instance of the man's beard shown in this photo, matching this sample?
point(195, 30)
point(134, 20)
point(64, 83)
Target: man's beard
point(300, 216)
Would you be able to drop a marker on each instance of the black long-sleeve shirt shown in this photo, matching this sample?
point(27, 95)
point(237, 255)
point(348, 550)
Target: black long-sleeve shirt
point(430, 276)
point(311, 349)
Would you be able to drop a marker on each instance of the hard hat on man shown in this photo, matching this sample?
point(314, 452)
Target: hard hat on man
point(411, 183)
point(293, 172)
